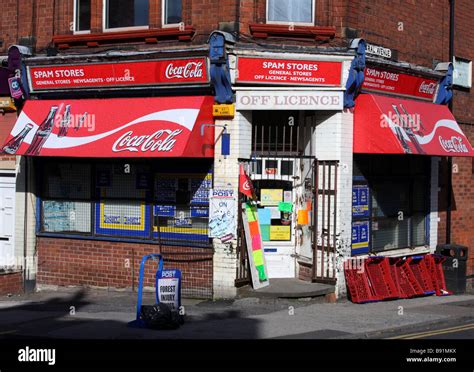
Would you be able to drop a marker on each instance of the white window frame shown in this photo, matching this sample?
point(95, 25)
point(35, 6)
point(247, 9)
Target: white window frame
point(118, 29)
point(163, 11)
point(74, 24)
point(313, 9)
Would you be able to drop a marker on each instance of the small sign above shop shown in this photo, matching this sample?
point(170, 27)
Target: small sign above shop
point(272, 71)
point(112, 75)
point(289, 100)
point(379, 51)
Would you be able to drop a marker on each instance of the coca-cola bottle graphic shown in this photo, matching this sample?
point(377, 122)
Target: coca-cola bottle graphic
point(398, 131)
point(12, 146)
point(43, 132)
point(65, 122)
point(409, 130)
point(80, 122)
point(420, 126)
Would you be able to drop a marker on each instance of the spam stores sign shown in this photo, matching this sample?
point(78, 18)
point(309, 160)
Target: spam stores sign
point(160, 72)
point(288, 72)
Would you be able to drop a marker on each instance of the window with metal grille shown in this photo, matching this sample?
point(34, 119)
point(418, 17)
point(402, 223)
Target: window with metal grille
point(131, 200)
point(399, 187)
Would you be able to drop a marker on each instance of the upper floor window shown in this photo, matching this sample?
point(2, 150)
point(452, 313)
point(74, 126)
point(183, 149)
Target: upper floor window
point(290, 11)
point(172, 12)
point(125, 13)
point(82, 15)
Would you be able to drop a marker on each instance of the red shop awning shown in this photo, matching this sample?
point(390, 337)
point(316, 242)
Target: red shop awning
point(119, 127)
point(386, 125)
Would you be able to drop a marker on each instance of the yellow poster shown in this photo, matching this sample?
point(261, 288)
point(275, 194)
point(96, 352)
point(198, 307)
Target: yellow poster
point(271, 196)
point(280, 233)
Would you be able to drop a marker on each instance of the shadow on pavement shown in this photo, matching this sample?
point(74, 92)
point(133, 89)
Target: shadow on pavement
point(64, 318)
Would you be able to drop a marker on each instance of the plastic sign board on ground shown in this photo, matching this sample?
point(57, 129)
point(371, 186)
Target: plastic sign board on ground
point(253, 237)
point(168, 287)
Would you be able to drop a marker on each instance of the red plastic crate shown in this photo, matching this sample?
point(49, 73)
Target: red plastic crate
point(358, 283)
point(396, 277)
point(381, 280)
point(407, 282)
point(420, 269)
point(434, 263)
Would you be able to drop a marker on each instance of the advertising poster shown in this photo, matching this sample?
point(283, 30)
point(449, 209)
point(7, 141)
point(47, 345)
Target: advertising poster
point(168, 286)
point(271, 197)
point(360, 237)
point(360, 201)
point(222, 214)
point(115, 218)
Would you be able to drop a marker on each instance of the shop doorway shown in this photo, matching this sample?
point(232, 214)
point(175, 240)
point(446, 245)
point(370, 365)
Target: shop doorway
point(297, 198)
point(7, 220)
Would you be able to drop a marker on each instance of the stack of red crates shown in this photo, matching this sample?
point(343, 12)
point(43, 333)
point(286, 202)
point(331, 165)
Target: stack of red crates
point(382, 278)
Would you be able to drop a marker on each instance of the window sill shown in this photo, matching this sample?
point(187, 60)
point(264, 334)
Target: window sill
point(147, 36)
point(263, 31)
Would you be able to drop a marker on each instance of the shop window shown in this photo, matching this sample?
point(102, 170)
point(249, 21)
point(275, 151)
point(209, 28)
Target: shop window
point(82, 16)
point(300, 12)
point(181, 207)
point(125, 14)
point(172, 12)
point(122, 209)
point(66, 204)
point(127, 200)
point(400, 190)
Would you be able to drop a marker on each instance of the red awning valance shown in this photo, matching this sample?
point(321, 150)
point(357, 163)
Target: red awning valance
point(119, 127)
point(389, 125)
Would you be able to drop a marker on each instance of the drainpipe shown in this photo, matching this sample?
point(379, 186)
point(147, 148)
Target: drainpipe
point(25, 230)
point(449, 186)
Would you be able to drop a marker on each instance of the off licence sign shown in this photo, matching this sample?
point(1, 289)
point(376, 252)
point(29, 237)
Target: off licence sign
point(175, 71)
point(288, 72)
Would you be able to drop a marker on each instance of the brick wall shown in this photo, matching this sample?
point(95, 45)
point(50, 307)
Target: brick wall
point(70, 262)
point(11, 283)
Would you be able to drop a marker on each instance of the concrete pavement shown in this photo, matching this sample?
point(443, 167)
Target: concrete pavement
point(97, 314)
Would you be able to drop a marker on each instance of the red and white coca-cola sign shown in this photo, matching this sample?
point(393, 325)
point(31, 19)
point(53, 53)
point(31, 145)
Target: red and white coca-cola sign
point(119, 127)
point(392, 125)
point(397, 83)
point(145, 73)
point(288, 72)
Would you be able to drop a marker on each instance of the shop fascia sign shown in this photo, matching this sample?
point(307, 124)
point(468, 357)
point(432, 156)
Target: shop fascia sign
point(295, 72)
point(190, 71)
point(378, 79)
point(289, 100)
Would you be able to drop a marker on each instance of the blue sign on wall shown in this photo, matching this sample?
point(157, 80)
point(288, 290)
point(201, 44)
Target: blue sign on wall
point(360, 201)
point(360, 237)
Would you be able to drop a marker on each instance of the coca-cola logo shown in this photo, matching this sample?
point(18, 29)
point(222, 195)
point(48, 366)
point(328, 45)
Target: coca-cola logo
point(454, 144)
point(188, 71)
point(160, 141)
point(427, 88)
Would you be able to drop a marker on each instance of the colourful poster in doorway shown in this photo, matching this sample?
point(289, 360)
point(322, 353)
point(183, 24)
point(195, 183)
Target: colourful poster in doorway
point(271, 197)
point(254, 245)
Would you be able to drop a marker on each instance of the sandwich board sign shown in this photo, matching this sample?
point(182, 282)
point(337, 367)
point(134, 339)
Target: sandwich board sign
point(168, 287)
point(253, 237)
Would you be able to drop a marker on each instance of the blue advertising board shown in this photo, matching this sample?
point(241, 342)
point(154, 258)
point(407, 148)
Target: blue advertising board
point(360, 201)
point(360, 237)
